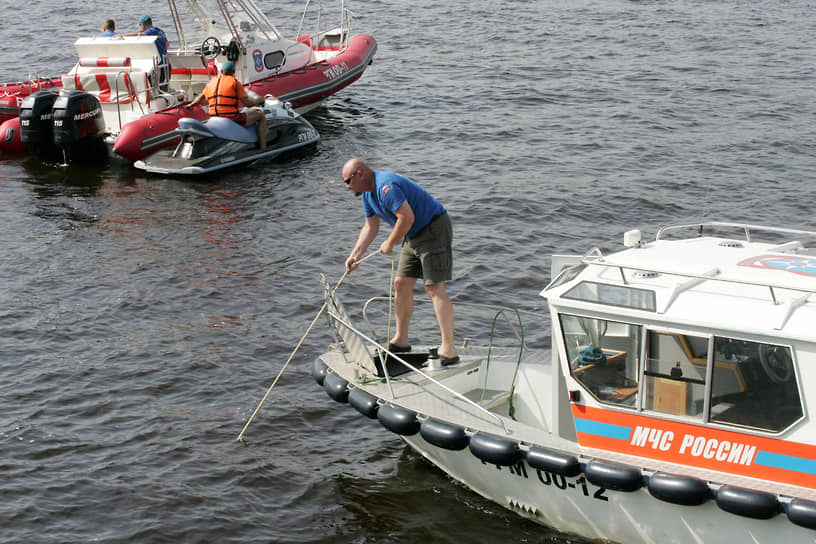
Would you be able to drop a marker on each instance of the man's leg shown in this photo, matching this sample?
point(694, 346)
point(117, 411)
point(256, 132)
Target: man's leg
point(443, 308)
point(257, 116)
point(403, 308)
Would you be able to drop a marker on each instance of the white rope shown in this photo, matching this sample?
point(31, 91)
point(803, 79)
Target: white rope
point(303, 338)
point(390, 296)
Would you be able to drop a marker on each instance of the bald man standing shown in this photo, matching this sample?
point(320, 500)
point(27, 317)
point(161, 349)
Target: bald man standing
point(423, 224)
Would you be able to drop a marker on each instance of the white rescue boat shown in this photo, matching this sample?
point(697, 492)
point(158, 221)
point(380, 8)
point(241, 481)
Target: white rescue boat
point(671, 405)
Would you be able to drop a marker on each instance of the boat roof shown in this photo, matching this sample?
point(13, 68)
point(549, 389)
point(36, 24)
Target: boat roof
point(709, 280)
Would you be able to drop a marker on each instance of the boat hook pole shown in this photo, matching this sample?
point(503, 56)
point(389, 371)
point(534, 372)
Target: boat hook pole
point(303, 338)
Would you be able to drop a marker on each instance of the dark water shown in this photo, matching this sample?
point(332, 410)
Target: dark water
point(143, 318)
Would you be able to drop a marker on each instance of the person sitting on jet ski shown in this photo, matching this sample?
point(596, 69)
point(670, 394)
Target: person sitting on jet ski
point(223, 93)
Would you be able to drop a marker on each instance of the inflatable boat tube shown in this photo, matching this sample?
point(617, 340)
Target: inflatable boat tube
point(802, 512)
point(678, 489)
point(553, 461)
point(398, 420)
point(613, 476)
point(336, 387)
point(363, 402)
point(747, 502)
point(444, 435)
point(495, 450)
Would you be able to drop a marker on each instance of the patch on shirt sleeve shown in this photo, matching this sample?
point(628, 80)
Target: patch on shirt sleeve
point(386, 189)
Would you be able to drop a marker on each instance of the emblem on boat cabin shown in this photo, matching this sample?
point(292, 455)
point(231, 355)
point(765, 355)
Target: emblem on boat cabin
point(797, 265)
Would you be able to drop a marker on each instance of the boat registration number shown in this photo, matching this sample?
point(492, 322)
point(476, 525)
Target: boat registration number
point(559, 481)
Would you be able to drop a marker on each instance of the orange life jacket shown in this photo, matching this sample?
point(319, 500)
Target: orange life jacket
point(224, 98)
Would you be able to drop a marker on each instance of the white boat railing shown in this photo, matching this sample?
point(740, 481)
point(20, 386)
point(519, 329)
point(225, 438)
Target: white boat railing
point(501, 311)
point(747, 228)
point(382, 349)
point(595, 257)
point(346, 18)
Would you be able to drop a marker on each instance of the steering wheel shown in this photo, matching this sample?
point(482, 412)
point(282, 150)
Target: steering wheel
point(210, 47)
point(776, 363)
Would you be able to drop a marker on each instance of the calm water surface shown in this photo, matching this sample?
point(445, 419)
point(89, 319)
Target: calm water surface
point(142, 318)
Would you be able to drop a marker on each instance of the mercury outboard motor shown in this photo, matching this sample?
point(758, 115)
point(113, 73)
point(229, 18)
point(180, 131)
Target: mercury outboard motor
point(79, 128)
point(36, 126)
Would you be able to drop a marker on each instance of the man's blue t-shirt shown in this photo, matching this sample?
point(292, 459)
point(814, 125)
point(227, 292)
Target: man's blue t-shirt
point(161, 41)
point(107, 34)
point(390, 191)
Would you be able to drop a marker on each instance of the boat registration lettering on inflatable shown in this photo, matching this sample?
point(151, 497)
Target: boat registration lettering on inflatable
point(559, 481)
point(336, 71)
point(307, 135)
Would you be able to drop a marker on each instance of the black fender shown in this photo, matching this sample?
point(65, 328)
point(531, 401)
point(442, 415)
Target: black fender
point(363, 402)
point(336, 387)
point(444, 435)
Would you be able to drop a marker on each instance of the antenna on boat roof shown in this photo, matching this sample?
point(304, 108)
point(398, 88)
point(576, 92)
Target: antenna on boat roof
point(289, 360)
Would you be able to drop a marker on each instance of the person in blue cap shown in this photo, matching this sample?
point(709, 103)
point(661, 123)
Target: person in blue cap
point(146, 28)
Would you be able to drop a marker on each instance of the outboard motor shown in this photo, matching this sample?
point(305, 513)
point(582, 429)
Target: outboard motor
point(36, 126)
point(79, 128)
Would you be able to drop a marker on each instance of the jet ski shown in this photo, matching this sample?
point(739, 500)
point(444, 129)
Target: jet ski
point(219, 142)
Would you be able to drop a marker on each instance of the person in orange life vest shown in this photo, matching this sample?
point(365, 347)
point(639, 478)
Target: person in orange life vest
point(223, 93)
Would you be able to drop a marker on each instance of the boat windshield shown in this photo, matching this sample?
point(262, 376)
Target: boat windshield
point(197, 20)
point(613, 295)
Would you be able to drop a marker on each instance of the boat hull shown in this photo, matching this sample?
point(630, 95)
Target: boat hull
point(573, 504)
point(307, 88)
point(13, 94)
point(10, 141)
point(673, 408)
point(202, 151)
point(591, 497)
point(304, 89)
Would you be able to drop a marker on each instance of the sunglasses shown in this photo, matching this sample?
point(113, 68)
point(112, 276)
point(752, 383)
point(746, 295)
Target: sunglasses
point(348, 179)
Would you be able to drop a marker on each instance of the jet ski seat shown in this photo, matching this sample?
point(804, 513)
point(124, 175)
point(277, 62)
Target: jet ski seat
point(221, 127)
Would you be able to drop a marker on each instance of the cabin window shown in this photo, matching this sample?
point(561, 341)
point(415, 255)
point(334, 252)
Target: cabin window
point(566, 275)
point(756, 386)
point(675, 373)
point(603, 357)
point(274, 60)
point(613, 295)
point(752, 385)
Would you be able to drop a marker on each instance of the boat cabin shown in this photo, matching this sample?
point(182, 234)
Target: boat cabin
point(693, 351)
